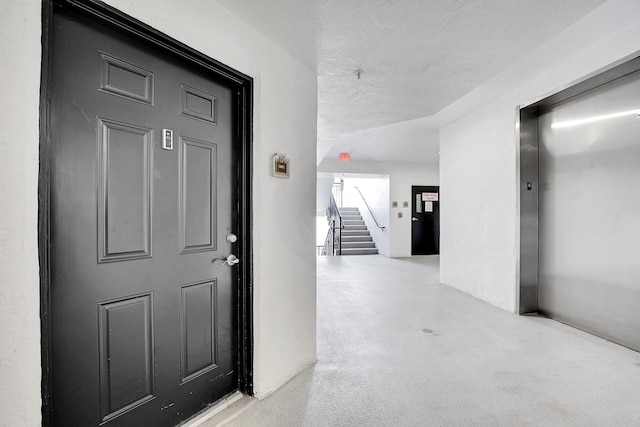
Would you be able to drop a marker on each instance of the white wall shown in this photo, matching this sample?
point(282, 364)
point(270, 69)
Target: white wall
point(324, 185)
point(477, 208)
point(285, 121)
point(478, 161)
point(19, 277)
point(402, 175)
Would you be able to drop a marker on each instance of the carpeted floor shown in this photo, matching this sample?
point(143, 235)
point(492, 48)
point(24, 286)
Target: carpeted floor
point(396, 348)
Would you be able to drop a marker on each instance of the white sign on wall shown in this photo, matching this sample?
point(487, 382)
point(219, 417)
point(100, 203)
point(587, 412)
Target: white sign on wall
point(428, 206)
point(429, 197)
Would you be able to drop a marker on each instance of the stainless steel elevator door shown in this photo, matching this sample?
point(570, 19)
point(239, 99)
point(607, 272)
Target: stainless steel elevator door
point(589, 211)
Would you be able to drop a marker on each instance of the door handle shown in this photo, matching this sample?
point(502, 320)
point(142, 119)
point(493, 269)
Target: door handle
point(230, 260)
point(414, 219)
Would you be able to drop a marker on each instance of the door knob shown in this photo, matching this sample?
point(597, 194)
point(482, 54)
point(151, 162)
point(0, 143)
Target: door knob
point(232, 238)
point(414, 219)
point(231, 260)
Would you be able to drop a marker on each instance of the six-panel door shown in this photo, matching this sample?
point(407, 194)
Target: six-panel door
point(142, 305)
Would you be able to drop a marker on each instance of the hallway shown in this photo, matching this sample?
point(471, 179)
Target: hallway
point(396, 348)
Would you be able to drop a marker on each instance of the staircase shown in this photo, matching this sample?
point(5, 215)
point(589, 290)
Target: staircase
point(356, 239)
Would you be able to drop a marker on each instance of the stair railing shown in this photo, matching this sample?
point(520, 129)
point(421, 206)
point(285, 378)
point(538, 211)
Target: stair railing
point(333, 241)
point(370, 211)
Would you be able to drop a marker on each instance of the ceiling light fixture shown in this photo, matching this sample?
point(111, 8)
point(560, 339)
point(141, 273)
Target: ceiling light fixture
point(358, 74)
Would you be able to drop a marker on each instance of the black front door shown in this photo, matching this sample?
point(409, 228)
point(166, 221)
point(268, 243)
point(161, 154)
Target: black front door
point(143, 198)
point(425, 220)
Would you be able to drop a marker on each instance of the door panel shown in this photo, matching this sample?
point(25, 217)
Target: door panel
point(125, 354)
point(124, 190)
point(142, 308)
point(425, 220)
point(198, 328)
point(197, 196)
point(589, 210)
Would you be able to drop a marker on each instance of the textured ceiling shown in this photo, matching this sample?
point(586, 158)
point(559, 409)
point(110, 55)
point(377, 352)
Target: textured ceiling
point(418, 56)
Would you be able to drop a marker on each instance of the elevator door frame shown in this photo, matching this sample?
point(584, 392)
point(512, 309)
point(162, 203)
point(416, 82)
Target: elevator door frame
point(243, 109)
point(527, 123)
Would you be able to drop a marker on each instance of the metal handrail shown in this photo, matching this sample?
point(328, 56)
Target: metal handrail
point(334, 235)
point(329, 247)
point(370, 211)
point(327, 243)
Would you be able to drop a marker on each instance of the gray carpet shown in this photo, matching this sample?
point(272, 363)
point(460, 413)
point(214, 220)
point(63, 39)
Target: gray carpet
point(396, 348)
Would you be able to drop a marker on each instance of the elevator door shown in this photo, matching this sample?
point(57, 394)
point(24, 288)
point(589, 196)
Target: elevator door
point(589, 214)
point(142, 317)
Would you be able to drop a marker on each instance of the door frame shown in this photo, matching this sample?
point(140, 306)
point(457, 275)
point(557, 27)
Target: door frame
point(242, 89)
point(437, 190)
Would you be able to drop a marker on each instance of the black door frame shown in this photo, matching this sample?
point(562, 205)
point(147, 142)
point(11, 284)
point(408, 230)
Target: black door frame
point(431, 188)
point(242, 89)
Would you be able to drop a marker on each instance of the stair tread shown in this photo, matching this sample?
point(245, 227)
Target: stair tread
point(357, 238)
point(349, 245)
point(359, 251)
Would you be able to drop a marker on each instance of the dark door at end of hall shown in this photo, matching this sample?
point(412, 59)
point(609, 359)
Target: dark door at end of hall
point(425, 220)
point(142, 317)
